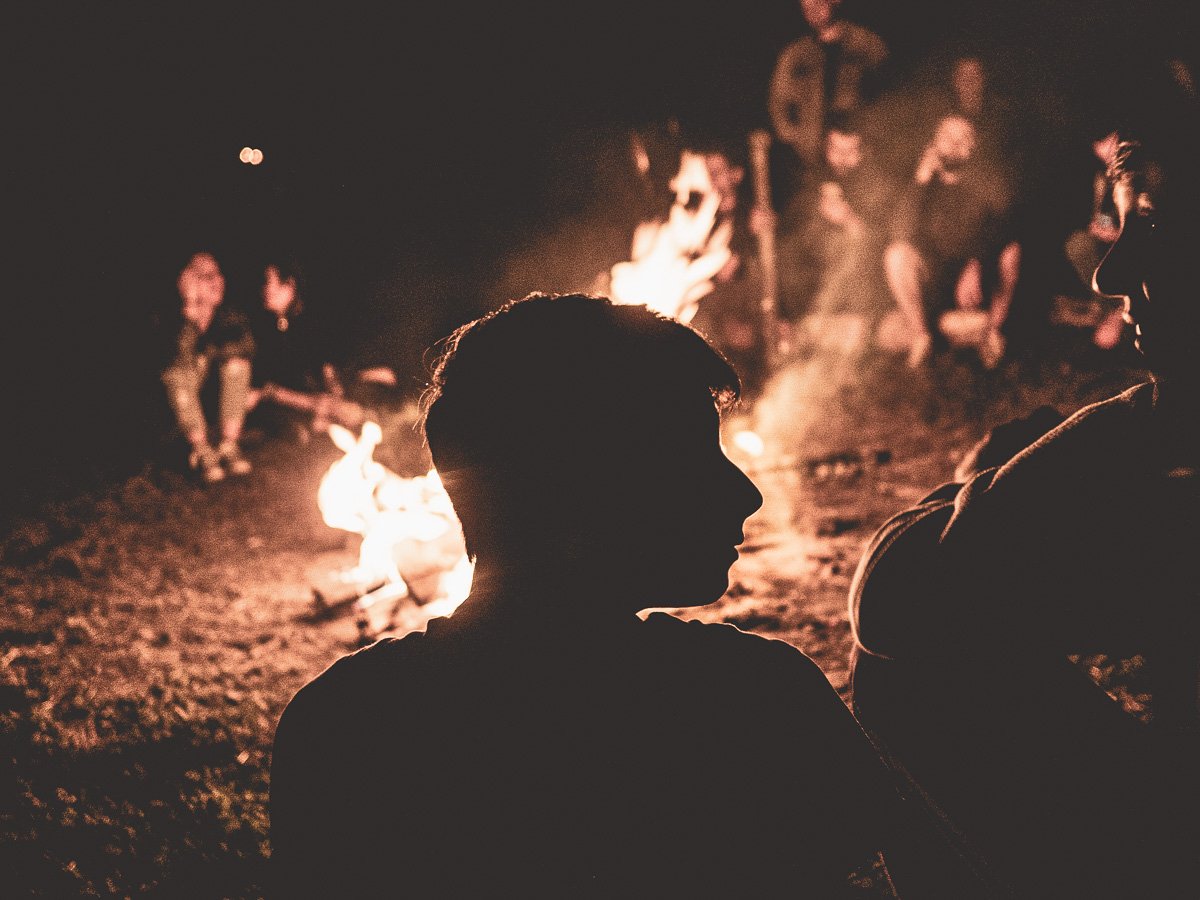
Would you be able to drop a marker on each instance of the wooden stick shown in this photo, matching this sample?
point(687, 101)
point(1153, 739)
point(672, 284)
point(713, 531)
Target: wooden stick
point(760, 145)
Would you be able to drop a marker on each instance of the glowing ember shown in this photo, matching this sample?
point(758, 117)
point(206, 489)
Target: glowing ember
point(411, 538)
point(673, 262)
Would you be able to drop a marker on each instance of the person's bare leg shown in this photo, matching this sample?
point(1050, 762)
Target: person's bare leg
point(905, 272)
point(235, 388)
point(1009, 269)
point(991, 351)
point(182, 383)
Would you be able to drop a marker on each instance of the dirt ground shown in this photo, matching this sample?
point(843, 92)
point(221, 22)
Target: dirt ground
point(152, 631)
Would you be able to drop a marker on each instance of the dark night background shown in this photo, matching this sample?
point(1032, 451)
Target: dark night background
point(410, 157)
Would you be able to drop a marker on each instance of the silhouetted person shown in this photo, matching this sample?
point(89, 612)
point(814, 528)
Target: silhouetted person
point(967, 607)
point(545, 741)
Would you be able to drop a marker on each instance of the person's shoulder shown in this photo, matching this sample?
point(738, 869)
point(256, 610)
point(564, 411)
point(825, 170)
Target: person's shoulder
point(1114, 414)
point(355, 679)
point(863, 40)
point(1092, 438)
point(720, 644)
point(803, 49)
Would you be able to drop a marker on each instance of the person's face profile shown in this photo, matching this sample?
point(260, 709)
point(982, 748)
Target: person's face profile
point(1150, 268)
point(678, 507)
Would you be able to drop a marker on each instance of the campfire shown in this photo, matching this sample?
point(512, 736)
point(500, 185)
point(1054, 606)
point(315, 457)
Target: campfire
point(412, 545)
point(673, 263)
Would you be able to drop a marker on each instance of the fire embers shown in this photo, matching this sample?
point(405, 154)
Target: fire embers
point(412, 541)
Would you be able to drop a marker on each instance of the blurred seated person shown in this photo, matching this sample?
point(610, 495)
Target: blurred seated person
point(1085, 248)
point(296, 389)
point(207, 336)
point(829, 250)
point(951, 267)
point(546, 741)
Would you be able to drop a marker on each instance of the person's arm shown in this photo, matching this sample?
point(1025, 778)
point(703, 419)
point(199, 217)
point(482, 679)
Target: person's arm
point(838, 777)
point(1071, 546)
point(315, 787)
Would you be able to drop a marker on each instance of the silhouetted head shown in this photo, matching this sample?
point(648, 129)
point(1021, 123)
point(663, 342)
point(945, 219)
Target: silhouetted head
point(579, 441)
point(1152, 264)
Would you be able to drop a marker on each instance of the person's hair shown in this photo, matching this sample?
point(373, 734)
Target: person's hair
point(288, 268)
point(1158, 148)
point(552, 388)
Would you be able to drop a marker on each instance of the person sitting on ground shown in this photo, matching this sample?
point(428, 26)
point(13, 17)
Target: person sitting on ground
point(966, 608)
point(831, 245)
point(951, 267)
point(544, 740)
point(297, 389)
point(206, 335)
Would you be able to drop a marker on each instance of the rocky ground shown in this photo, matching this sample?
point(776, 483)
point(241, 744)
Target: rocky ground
point(152, 631)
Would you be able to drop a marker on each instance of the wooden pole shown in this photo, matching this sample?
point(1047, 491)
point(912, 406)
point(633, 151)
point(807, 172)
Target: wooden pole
point(760, 145)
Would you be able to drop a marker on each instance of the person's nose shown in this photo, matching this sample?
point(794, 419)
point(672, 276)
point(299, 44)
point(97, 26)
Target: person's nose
point(744, 493)
point(1118, 274)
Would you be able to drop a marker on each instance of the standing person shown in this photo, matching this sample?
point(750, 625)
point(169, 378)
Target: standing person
point(951, 268)
point(966, 608)
point(207, 335)
point(824, 72)
point(545, 741)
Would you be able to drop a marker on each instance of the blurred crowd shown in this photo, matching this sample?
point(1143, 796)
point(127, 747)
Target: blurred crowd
point(861, 225)
point(911, 248)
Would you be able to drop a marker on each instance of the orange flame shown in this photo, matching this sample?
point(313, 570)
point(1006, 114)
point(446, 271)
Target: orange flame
point(411, 537)
point(673, 263)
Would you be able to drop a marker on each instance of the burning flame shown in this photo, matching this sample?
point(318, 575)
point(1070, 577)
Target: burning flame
point(674, 262)
point(412, 540)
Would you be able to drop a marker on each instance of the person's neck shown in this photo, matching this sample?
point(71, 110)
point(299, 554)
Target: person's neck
point(1177, 393)
point(831, 31)
point(546, 598)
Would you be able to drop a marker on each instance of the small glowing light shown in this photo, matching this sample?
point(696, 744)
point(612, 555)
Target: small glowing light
point(246, 154)
point(256, 156)
point(749, 442)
